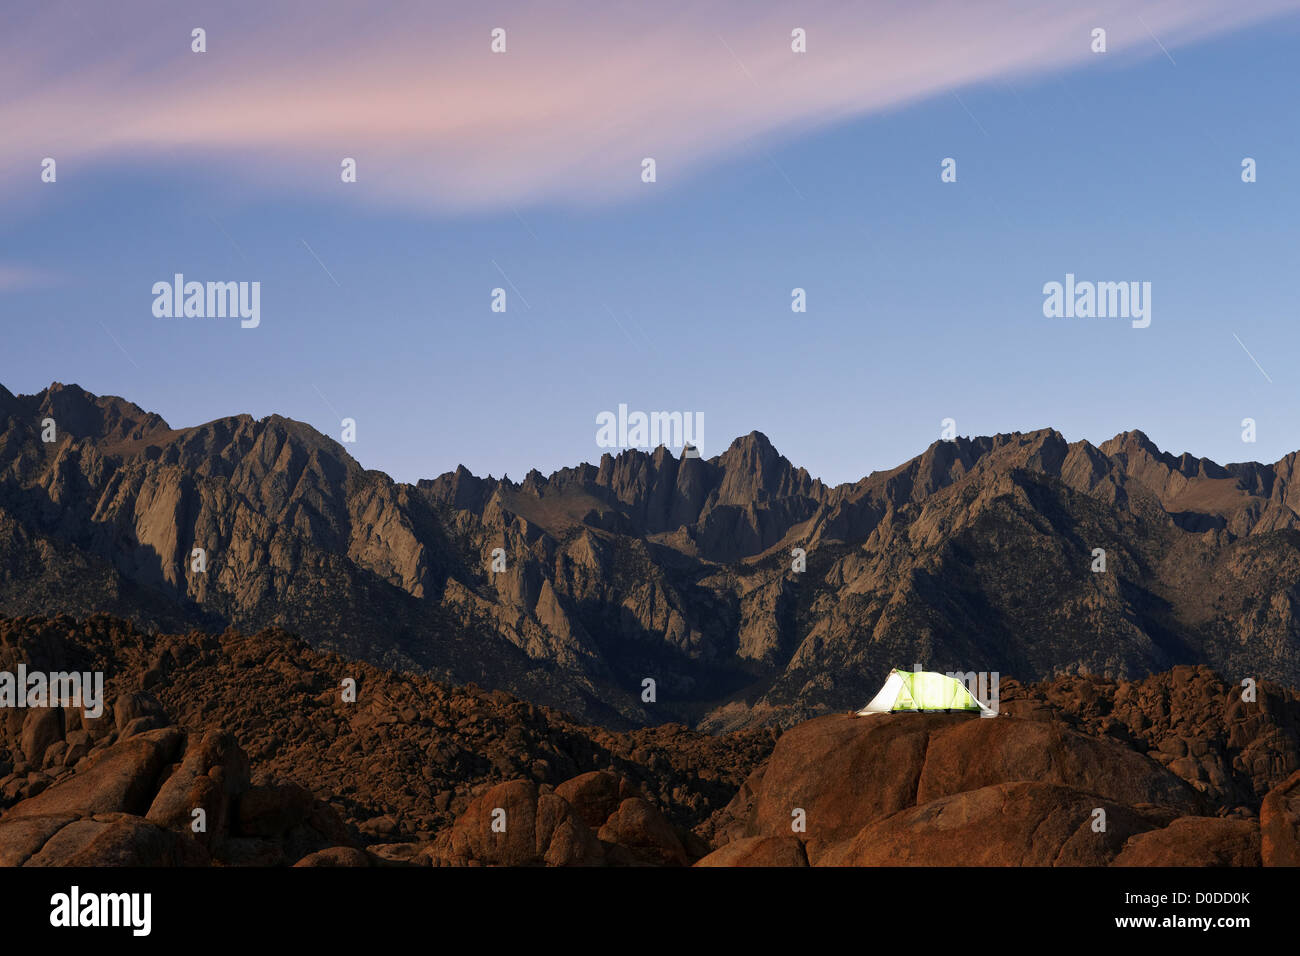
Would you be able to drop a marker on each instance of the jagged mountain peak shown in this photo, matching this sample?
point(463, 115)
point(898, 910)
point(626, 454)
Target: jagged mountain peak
point(1134, 440)
point(755, 440)
point(82, 414)
point(974, 553)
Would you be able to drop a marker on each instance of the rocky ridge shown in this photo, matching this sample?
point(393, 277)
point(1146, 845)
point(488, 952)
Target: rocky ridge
point(978, 554)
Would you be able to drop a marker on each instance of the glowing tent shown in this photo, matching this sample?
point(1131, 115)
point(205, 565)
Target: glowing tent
point(921, 691)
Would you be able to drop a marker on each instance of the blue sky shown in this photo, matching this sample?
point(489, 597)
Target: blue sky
point(924, 298)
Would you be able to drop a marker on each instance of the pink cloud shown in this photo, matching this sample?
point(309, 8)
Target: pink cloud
point(17, 278)
point(435, 119)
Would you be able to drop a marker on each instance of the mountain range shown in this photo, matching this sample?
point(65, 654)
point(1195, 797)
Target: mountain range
point(979, 554)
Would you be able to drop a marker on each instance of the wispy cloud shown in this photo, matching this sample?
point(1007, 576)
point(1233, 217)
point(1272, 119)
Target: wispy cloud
point(18, 278)
point(433, 118)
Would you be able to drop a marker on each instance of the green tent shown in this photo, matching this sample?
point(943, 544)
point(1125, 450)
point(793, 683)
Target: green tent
point(922, 690)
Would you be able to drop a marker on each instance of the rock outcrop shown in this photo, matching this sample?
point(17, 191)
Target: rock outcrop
point(945, 790)
point(160, 798)
point(287, 756)
point(263, 735)
point(1279, 824)
point(517, 824)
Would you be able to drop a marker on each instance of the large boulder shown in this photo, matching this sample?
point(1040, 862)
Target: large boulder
point(130, 803)
point(841, 771)
point(563, 837)
point(42, 728)
point(759, 851)
point(111, 839)
point(512, 824)
point(1195, 841)
point(1006, 824)
point(983, 752)
point(595, 795)
point(284, 822)
point(1279, 824)
point(517, 824)
point(23, 837)
point(121, 778)
point(210, 778)
point(498, 827)
point(640, 829)
point(133, 713)
point(835, 775)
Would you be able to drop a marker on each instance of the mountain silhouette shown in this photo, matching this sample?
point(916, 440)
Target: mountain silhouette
point(978, 554)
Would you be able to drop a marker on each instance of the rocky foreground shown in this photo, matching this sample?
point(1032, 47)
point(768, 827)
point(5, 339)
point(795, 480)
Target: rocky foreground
point(1176, 769)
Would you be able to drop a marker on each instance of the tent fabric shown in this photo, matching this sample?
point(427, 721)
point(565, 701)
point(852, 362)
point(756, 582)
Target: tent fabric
point(883, 702)
point(921, 691)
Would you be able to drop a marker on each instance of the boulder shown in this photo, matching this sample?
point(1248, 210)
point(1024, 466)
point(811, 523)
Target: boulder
point(1006, 824)
point(639, 827)
point(211, 776)
point(42, 728)
point(117, 839)
point(1195, 841)
point(539, 829)
point(841, 771)
point(983, 752)
point(499, 827)
point(392, 854)
point(563, 837)
point(759, 851)
point(129, 708)
point(381, 827)
point(1279, 824)
point(22, 837)
point(595, 795)
point(846, 772)
point(335, 856)
point(118, 779)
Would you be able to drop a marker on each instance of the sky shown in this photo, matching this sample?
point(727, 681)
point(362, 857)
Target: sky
point(774, 170)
